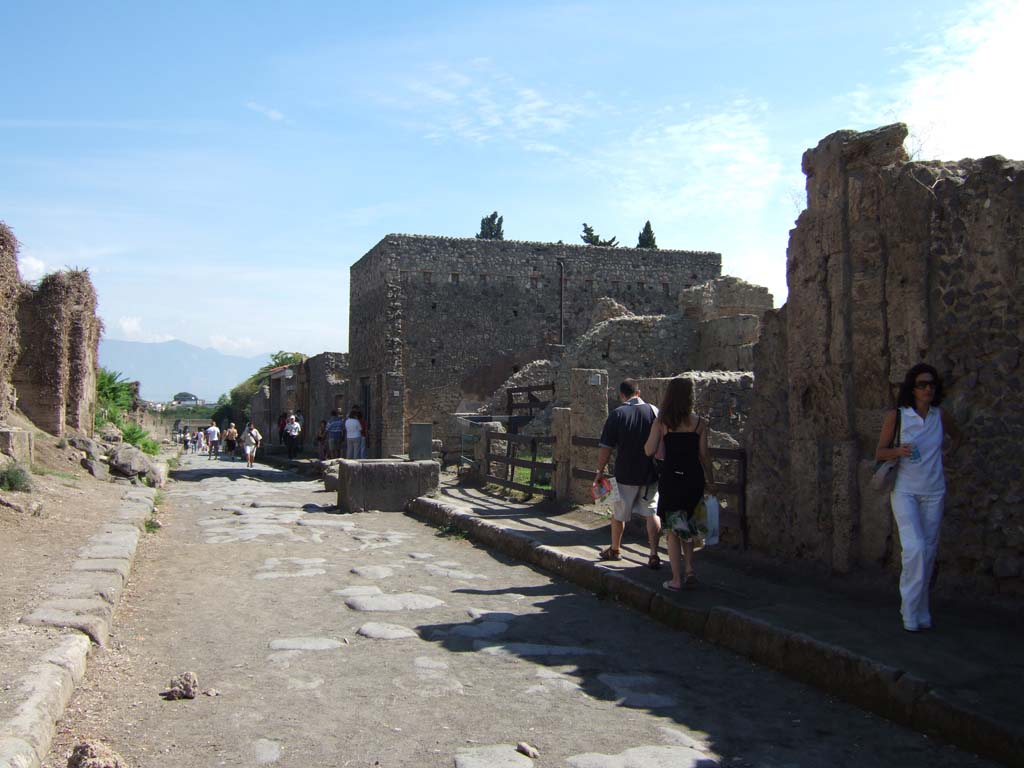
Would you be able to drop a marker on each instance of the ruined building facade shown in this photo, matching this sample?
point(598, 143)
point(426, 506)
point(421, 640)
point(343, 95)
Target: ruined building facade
point(437, 324)
point(892, 263)
point(49, 337)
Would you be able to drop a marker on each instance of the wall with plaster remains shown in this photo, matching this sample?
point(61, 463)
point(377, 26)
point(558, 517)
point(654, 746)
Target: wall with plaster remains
point(443, 322)
point(10, 289)
point(55, 376)
point(894, 262)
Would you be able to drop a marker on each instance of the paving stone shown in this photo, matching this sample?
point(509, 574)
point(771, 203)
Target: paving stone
point(496, 756)
point(373, 571)
point(480, 629)
point(378, 631)
point(402, 602)
point(266, 751)
point(358, 591)
point(532, 649)
point(644, 757)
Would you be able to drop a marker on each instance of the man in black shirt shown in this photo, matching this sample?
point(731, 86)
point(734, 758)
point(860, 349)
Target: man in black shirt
point(626, 430)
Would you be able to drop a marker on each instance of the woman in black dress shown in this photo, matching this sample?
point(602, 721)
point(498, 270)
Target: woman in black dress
point(686, 472)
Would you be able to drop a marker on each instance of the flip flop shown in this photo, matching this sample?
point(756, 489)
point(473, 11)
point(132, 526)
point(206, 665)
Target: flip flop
point(668, 585)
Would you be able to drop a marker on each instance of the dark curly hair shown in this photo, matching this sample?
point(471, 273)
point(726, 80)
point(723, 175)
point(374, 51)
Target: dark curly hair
point(905, 398)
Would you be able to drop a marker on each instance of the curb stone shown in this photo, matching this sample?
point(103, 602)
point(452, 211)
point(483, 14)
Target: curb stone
point(869, 684)
point(85, 602)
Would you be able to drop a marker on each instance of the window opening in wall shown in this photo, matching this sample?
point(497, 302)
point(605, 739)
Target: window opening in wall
point(588, 285)
point(534, 282)
point(515, 313)
point(428, 277)
point(455, 278)
point(433, 360)
point(433, 305)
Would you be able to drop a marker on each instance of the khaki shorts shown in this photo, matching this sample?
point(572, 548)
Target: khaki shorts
point(631, 502)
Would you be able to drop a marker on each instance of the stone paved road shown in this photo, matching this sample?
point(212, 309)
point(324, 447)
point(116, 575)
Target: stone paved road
point(370, 640)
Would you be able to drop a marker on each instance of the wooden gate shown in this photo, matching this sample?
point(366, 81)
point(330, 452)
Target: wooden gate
point(532, 403)
point(540, 465)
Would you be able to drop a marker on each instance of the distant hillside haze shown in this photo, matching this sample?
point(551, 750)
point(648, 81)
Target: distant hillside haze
point(168, 367)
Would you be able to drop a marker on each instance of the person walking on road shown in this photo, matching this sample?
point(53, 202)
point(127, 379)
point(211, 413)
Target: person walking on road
point(213, 439)
point(335, 435)
point(626, 430)
point(686, 472)
point(251, 439)
point(919, 493)
point(292, 430)
point(231, 441)
point(321, 440)
point(353, 435)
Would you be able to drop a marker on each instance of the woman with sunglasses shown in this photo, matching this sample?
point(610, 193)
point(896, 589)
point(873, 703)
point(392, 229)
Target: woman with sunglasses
point(920, 489)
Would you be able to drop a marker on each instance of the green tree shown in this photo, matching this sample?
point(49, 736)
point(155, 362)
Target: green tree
point(490, 227)
point(283, 358)
point(590, 237)
point(646, 239)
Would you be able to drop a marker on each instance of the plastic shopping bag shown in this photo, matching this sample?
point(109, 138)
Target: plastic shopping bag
point(711, 509)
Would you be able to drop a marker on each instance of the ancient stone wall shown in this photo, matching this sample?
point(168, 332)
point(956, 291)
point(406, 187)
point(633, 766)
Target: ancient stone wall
point(454, 318)
point(724, 398)
point(724, 297)
point(326, 388)
point(633, 347)
point(10, 290)
point(55, 376)
point(894, 262)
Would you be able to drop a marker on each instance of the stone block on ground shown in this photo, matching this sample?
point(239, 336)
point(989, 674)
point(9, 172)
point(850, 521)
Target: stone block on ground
point(386, 485)
point(18, 444)
point(93, 754)
point(96, 468)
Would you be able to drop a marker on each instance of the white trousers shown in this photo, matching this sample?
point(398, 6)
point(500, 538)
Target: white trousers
point(918, 517)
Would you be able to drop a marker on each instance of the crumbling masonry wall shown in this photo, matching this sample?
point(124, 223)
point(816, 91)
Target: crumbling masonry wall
point(324, 379)
point(10, 290)
point(894, 262)
point(437, 324)
point(55, 376)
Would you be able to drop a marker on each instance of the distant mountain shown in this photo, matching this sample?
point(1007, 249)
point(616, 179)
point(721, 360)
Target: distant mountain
point(169, 367)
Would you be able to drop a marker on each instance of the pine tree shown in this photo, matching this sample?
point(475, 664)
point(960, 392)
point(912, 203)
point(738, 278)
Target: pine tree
point(646, 239)
point(590, 237)
point(490, 227)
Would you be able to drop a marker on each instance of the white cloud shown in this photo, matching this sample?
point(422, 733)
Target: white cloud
point(956, 92)
point(239, 345)
point(131, 330)
point(268, 112)
point(710, 165)
point(31, 268)
point(482, 103)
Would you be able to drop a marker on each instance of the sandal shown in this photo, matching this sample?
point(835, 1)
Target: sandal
point(654, 562)
point(610, 554)
point(690, 580)
point(668, 585)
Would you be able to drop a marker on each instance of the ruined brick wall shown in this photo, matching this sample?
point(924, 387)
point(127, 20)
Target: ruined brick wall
point(894, 262)
point(456, 317)
point(634, 348)
point(10, 290)
point(724, 297)
point(55, 375)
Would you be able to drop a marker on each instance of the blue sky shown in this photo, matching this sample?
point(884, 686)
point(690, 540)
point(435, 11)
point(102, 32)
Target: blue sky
point(219, 166)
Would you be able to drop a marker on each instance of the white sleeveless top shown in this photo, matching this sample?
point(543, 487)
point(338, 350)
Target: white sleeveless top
point(921, 473)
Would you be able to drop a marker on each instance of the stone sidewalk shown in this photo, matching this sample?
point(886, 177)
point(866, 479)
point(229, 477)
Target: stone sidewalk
point(47, 653)
point(960, 682)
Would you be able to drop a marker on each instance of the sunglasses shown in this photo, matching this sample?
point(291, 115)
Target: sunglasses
point(924, 385)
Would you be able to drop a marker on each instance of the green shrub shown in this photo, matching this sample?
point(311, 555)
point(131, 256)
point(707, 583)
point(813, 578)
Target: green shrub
point(15, 477)
point(149, 446)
